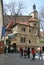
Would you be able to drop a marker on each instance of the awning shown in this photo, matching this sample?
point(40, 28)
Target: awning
point(12, 35)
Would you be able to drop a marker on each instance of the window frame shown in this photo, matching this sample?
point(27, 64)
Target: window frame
point(22, 39)
point(23, 29)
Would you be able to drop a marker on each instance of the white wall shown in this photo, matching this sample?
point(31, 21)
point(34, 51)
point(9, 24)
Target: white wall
point(15, 30)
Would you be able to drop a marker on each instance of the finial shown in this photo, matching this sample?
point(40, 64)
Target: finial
point(34, 7)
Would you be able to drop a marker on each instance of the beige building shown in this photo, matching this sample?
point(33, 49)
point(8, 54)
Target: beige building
point(26, 33)
point(25, 30)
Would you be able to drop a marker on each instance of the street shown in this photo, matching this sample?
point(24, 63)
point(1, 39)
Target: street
point(16, 59)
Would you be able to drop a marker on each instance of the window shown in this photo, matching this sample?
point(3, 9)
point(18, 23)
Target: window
point(29, 41)
point(23, 39)
point(34, 24)
point(35, 31)
point(23, 29)
point(29, 30)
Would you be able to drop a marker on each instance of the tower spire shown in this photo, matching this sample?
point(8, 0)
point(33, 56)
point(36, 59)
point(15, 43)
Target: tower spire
point(34, 7)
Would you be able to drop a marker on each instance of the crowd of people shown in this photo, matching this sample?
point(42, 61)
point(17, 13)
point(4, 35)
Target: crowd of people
point(9, 49)
point(27, 52)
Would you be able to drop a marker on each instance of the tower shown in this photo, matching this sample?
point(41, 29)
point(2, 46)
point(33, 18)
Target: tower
point(34, 13)
point(34, 7)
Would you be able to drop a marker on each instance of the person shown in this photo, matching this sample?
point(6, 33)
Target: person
point(33, 54)
point(25, 52)
point(11, 49)
point(28, 52)
point(21, 51)
point(40, 54)
point(8, 49)
point(5, 49)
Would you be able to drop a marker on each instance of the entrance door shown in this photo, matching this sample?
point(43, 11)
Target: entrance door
point(14, 46)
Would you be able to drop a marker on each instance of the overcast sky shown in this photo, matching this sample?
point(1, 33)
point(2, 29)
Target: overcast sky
point(29, 4)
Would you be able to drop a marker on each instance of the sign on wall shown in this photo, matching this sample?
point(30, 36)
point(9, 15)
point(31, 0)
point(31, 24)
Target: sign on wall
point(3, 31)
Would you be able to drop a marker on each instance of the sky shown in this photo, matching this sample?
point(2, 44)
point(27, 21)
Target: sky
point(29, 5)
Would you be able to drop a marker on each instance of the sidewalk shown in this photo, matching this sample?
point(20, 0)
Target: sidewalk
point(16, 59)
point(42, 56)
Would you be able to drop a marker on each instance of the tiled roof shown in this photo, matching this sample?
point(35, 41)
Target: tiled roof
point(21, 22)
point(10, 25)
point(33, 19)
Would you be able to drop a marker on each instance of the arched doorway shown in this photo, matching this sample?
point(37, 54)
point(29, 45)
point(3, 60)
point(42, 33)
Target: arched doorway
point(14, 46)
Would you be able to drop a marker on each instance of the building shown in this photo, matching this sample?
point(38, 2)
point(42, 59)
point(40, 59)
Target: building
point(42, 34)
point(1, 18)
point(1, 25)
point(25, 31)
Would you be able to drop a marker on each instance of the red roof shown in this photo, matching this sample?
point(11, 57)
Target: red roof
point(33, 19)
point(21, 22)
point(42, 32)
point(10, 25)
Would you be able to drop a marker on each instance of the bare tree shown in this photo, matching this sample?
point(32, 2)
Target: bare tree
point(42, 18)
point(14, 8)
point(11, 8)
point(20, 7)
point(42, 24)
point(42, 12)
point(4, 9)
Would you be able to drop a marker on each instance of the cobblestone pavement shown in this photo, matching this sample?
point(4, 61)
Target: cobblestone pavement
point(16, 59)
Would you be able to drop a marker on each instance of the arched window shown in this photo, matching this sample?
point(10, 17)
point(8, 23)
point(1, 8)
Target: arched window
point(29, 41)
point(29, 30)
point(23, 39)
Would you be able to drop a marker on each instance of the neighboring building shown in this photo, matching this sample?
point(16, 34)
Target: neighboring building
point(1, 19)
point(26, 31)
point(42, 34)
point(1, 25)
point(42, 39)
point(8, 18)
